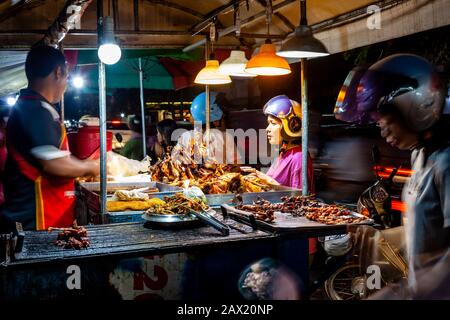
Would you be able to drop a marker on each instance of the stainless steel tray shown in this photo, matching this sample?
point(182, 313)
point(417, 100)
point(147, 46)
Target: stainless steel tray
point(216, 200)
point(286, 223)
point(174, 220)
point(171, 220)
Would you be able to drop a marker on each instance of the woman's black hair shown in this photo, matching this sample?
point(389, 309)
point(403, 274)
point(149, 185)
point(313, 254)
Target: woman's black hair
point(166, 128)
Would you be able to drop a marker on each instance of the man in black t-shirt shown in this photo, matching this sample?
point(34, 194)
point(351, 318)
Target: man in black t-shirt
point(40, 171)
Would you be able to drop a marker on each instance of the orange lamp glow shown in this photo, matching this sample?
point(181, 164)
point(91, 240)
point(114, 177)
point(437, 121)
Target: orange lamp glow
point(267, 63)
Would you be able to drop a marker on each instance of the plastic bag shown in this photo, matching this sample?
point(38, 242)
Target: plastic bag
point(193, 192)
point(120, 166)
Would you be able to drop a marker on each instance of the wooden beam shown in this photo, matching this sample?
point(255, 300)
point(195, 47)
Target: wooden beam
point(78, 32)
point(19, 33)
point(283, 19)
point(212, 14)
point(259, 35)
point(244, 22)
point(12, 10)
point(177, 6)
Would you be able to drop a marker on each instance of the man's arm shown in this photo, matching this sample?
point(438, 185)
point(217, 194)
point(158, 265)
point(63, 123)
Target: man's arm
point(70, 167)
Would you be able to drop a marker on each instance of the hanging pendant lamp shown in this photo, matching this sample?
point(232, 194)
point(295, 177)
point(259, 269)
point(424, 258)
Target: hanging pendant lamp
point(210, 74)
point(235, 65)
point(267, 63)
point(303, 44)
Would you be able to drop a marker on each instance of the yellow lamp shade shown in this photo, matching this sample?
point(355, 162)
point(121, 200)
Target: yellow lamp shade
point(210, 75)
point(267, 63)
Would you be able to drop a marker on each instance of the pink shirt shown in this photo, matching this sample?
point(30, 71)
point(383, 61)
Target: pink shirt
point(287, 169)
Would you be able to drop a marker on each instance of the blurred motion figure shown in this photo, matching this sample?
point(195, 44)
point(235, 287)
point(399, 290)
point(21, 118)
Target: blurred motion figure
point(404, 95)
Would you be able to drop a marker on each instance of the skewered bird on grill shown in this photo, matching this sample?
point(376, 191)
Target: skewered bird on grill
point(72, 238)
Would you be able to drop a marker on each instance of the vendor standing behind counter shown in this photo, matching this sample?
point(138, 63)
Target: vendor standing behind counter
point(40, 171)
point(284, 130)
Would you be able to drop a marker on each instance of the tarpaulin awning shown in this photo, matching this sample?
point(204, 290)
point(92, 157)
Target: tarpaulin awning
point(12, 71)
point(125, 75)
point(122, 75)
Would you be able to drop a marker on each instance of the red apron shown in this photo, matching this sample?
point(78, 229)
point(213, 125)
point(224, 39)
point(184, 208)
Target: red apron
point(55, 196)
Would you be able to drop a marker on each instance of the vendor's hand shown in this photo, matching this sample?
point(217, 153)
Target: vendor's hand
point(92, 167)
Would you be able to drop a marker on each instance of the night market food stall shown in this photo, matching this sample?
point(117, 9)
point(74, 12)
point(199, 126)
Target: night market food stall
point(140, 257)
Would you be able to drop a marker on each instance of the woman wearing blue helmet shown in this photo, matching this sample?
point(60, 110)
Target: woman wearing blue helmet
point(220, 147)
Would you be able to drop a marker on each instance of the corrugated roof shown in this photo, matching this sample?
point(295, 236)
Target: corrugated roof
point(163, 23)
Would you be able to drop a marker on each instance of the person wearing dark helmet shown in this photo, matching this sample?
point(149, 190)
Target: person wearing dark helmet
point(40, 171)
point(404, 95)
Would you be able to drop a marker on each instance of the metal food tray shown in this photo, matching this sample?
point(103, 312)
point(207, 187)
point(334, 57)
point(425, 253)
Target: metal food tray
point(213, 200)
point(88, 201)
point(216, 200)
point(171, 220)
point(286, 223)
point(175, 220)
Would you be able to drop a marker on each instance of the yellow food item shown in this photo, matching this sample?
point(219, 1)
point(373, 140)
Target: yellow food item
point(114, 206)
point(130, 195)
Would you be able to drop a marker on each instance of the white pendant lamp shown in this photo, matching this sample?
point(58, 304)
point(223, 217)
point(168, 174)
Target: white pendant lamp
point(235, 65)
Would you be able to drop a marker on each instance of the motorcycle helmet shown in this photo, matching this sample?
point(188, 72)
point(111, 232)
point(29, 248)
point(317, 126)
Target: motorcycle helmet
point(404, 82)
point(198, 108)
point(346, 108)
point(289, 112)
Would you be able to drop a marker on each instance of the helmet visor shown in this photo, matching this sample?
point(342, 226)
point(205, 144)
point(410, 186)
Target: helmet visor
point(351, 104)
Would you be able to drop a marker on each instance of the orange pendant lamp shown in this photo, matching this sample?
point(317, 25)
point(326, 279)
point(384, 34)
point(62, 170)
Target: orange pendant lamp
point(267, 63)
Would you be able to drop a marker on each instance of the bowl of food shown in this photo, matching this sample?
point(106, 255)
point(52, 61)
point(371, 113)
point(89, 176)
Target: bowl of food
point(174, 212)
